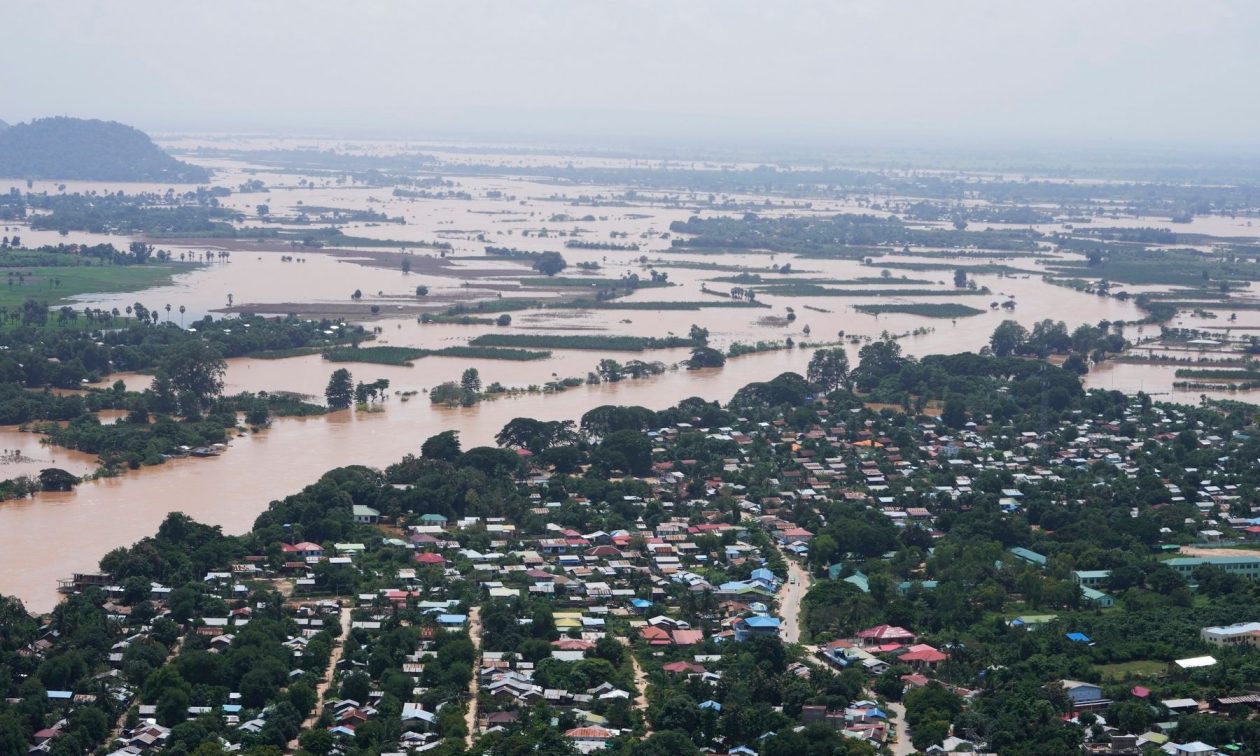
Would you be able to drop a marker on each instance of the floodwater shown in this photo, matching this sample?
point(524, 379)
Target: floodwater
point(230, 490)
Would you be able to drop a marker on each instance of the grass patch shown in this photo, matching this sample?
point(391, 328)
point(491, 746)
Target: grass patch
point(56, 285)
point(924, 310)
point(587, 304)
point(490, 353)
point(506, 304)
point(755, 279)
point(1140, 668)
point(455, 319)
point(559, 282)
point(810, 290)
point(283, 354)
point(403, 356)
point(1220, 375)
point(992, 268)
point(606, 343)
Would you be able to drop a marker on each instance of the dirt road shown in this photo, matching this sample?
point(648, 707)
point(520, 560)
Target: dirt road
point(474, 632)
point(1199, 551)
point(321, 690)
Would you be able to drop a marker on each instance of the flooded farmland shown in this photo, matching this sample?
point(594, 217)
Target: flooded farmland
point(446, 238)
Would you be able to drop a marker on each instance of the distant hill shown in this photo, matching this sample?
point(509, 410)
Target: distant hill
point(3, 125)
point(75, 148)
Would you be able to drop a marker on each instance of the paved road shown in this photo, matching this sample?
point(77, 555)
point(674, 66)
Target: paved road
point(790, 595)
point(474, 632)
point(902, 747)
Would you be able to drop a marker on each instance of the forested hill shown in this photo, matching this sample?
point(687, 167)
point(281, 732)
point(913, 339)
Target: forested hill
point(75, 148)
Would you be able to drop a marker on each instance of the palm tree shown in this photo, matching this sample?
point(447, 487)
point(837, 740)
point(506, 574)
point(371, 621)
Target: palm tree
point(229, 300)
point(168, 313)
point(181, 315)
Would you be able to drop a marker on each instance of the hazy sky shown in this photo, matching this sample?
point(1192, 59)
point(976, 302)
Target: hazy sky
point(930, 71)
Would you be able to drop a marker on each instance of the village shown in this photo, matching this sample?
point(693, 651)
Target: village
point(810, 573)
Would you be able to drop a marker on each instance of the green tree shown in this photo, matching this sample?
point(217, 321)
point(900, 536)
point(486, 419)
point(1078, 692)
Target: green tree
point(340, 391)
point(470, 381)
point(705, 357)
point(550, 263)
point(829, 369)
point(443, 446)
point(1008, 338)
point(195, 368)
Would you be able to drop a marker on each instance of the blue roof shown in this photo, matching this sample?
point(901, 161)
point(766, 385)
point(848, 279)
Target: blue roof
point(1078, 637)
point(641, 603)
point(231, 708)
point(61, 694)
point(761, 573)
point(761, 621)
point(452, 619)
point(711, 705)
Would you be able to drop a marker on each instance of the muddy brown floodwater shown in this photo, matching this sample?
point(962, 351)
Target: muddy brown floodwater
point(53, 535)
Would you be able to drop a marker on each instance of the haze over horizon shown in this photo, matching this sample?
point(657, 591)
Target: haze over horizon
point(1117, 74)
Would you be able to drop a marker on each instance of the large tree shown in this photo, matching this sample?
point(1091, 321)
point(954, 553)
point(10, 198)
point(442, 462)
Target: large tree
point(550, 263)
point(829, 369)
point(340, 391)
point(195, 368)
point(535, 435)
point(1008, 338)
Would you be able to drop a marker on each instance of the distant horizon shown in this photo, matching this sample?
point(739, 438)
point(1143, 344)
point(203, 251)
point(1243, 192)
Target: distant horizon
point(1153, 74)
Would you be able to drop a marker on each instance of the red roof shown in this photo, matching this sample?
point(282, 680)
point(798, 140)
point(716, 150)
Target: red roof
point(886, 632)
point(684, 666)
point(656, 636)
point(303, 546)
point(1140, 692)
point(928, 655)
point(430, 558)
point(588, 733)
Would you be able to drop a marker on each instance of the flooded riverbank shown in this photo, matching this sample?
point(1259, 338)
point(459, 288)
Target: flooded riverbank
point(57, 534)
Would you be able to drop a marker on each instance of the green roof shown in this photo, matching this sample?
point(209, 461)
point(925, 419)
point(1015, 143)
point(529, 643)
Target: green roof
point(1027, 555)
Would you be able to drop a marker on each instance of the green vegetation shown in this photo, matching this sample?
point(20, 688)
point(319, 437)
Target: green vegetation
point(739, 348)
point(74, 148)
point(929, 310)
point(1113, 262)
point(811, 290)
point(403, 356)
point(839, 236)
point(57, 285)
point(589, 304)
point(607, 343)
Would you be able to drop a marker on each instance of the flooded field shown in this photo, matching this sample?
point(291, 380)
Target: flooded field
point(502, 211)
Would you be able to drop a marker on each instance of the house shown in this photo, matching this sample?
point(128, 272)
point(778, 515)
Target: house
point(885, 634)
point(588, 739)
point(1082, 692)
point(1243, 566)
point(1242, 633)
point(1190, 749)
point(747, 627)
point(1031, 557)
point(1095, 597)
point(303, 550)
point(1091, 578)
point(365, 515)
point(1194, 662)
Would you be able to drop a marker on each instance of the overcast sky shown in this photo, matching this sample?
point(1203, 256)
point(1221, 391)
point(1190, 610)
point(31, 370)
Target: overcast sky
point(1018, 72)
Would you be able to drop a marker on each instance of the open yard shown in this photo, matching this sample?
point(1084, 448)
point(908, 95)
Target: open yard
point(1141, 668)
